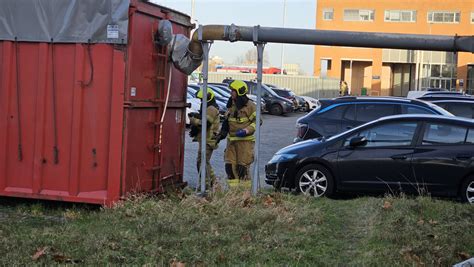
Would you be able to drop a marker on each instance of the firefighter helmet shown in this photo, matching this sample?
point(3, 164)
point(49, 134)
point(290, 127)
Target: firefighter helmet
point(210, 94)
point(239, 86)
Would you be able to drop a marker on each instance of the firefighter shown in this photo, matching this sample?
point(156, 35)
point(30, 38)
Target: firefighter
point(240, 117)
point(213, 122)
point(344, 88)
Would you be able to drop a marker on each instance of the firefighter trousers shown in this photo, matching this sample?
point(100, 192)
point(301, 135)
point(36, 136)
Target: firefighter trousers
point(210, 176)
point(238, 157)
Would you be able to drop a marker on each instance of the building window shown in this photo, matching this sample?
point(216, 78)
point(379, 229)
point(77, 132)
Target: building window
point(400, 15)
point(325, 66)
point(469, 85)
point(443, 17)
point(472, 17)
point(439, 76)
point(359, 15)
point(328, 14)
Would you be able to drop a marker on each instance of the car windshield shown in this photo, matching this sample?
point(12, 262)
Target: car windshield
point(221, 91)
point(194, 86)
point(192, 91)
point(283, 93)
point(271, 85)
point(217, 92)
point(441, 110)
point(345, 132)
point(268, 89)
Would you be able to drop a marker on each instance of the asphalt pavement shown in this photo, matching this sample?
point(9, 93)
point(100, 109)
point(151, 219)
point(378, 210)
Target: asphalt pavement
point(277, 132)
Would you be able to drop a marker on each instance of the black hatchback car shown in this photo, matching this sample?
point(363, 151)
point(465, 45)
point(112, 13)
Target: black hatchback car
point(458, 105)
point(275, 104)
point(412, 153)
point(299, 102)
point(343, 113)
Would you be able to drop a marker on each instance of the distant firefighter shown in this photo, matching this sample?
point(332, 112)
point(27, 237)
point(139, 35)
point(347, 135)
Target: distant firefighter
point(212, 140)
point(344, 89)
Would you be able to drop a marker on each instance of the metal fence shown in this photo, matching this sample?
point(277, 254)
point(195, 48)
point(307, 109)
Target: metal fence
point(301, 85)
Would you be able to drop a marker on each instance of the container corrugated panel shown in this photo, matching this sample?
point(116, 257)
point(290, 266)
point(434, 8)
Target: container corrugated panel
point(69, 135)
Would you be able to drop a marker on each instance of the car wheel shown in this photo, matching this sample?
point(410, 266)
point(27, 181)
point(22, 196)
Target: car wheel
point(276, 110)
point(315, 180)
point(467, 190)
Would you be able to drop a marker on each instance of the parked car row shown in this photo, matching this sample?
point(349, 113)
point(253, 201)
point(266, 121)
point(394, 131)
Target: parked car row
point(457, 103)
point(279, 101)
point(300, 103)
point(276, 101)
point(221, 93)
point(461, 105)
point(420, 144)
point(343, 113)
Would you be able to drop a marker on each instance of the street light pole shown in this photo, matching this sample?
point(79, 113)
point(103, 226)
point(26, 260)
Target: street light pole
point(192, 11)
point(283, 45)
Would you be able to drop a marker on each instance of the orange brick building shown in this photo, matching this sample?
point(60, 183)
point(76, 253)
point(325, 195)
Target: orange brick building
point(392, 71)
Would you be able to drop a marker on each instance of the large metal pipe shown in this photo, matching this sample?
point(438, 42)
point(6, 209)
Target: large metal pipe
point(209, 33)
point(334, 38)
point(187, 54)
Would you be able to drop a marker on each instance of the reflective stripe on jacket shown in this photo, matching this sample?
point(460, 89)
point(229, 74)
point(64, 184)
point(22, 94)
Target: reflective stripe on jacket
point(245, 118)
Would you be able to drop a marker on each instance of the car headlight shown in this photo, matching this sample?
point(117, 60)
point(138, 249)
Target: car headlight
point(282, 157)
point(313, 101)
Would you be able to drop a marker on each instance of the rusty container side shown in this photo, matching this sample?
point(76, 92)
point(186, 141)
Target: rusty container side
point(69, 133)
point(59, 126)
point(153, 151)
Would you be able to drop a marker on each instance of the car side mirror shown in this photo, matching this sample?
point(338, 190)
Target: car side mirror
point(358, 141)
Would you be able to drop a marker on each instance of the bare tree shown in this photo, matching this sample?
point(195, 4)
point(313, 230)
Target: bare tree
point(301, 72)
point(239, 60)
point(250, 57)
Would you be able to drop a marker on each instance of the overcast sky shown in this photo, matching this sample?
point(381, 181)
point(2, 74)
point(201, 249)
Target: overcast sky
point(299, 14)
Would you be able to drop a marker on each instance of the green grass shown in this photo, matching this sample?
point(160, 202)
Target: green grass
point(236, 229)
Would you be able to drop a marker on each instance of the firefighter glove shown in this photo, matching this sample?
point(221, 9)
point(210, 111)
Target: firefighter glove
point(194, 115)
point(241, 133)
point(194, 131)
point(220, 136)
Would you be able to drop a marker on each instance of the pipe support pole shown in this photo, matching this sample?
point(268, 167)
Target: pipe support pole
point(260, 47)
point(206, 45)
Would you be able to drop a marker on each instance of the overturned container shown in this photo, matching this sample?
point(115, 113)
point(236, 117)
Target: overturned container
point(90, 107)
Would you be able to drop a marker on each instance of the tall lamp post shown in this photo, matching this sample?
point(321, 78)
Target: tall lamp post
point(283, 45)
point(192, 11)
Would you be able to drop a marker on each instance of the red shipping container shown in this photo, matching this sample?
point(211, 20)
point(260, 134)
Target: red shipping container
point(81, 122)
